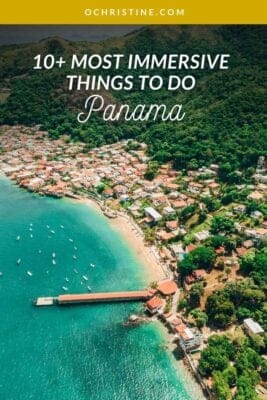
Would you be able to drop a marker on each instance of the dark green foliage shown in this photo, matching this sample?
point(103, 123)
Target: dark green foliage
point(221, 224)
point(195, 294)
point(216, 356)
point(225, 113)
point(201, 257)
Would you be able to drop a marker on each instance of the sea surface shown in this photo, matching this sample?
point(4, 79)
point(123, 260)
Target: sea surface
point(77, 352)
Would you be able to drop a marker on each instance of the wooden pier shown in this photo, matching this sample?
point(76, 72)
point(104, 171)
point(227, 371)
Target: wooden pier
point(107, 297)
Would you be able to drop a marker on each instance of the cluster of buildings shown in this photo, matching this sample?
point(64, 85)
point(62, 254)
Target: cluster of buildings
point(190, 338)
point(116, 174)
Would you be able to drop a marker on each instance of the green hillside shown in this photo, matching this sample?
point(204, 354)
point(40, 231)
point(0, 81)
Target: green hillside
point(225, 114)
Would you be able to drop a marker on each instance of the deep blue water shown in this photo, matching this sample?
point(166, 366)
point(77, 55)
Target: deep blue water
point(80, 352)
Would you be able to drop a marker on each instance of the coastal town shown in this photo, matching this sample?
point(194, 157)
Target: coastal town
point(178, 214)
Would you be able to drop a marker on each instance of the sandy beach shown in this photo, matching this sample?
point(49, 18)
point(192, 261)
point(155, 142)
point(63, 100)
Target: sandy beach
point(132, 235)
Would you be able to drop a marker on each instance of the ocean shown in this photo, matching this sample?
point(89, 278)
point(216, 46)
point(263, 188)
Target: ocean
point(81, 352)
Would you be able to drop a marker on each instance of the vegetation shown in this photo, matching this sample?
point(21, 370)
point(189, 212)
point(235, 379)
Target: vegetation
point(224, 114)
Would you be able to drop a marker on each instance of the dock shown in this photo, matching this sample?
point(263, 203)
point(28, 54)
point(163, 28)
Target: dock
point(107, 297)
point(45, 301)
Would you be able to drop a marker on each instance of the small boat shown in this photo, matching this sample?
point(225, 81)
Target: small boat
point(71, 240)
point(62, 226)
point(53, 255)
point(18, 261)
point(53, 232)
point(31, 235)
point(54, 262)
point(67, 279)
point(29, 273)
point(75, 258)
point(92, 265)
point(18, 237)
point(85, 277)
point(65, 288)
point(89, 289)
point(31, 224)
point(30, 229)
point(48, 227)
point(1, 273)
point(75, 248)
point(75, 270)
point(39, 251)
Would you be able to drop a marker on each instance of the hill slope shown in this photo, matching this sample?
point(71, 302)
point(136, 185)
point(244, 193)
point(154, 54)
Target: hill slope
point(225, 113)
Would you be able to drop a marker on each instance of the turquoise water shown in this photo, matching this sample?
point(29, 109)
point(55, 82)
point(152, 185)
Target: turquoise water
point(79, 352)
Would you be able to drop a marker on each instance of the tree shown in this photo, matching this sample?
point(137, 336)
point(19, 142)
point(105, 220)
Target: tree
point(230, 375)
point(195, 294)
point(220, 310)
point(245, 386)
point(221, 387)
point(201, 257)
point(220, 224)
point(211, 360)
point(200, 317)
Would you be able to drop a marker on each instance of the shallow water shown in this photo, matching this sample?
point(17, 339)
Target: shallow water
point(79, 352)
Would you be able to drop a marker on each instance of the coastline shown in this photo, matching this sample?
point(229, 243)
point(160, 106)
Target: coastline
point(153, 269)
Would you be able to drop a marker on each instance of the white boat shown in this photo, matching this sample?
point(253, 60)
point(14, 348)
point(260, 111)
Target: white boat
point(18, 237)
point(48, 227)
point(39, 251)
point(62, 226)
point(67, 279)
point(89, 289)
point(71, 240)
point(65, 288)
point(31, 224)
point(30, 229)
point(31, 235)
point(53, 255)
point(53, 232)
point(92, 265)
point(1, 273)
point(85, 277)
point(75, 258)
point(75, 248)
point(18, 261)
point(54, 262)
point(75, 270)
point(29, 273)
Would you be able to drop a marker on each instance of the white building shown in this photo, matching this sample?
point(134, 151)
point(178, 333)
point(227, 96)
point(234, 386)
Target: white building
point(151, 212)
point(252, 327)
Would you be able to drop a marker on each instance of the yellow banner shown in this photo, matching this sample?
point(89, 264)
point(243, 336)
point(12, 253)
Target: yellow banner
point(139, 12)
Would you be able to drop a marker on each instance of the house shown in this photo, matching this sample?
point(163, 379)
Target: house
point(152, 213)
point(252, 327)
point(154, 305)
point(167, 287)
point(255, 196)
point(201, 236)
point(241, 251)
point(168, 210)
point(190, 338)
point(190, 247)
point(196, 276)
point(178, 251)
point(248, 244)
point(239, 208)
point(164, 236)
point(256, 214)
point(172, 225)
